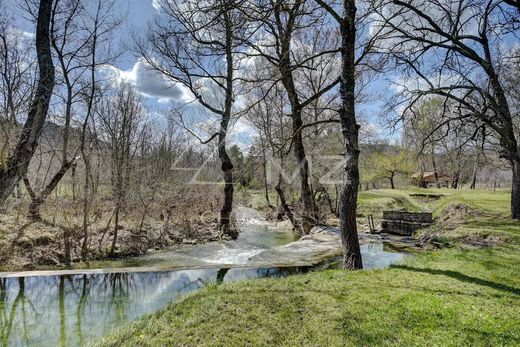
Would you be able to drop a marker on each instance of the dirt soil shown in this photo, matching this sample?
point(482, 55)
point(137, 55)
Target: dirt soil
point(456, 214)
point(447, 231)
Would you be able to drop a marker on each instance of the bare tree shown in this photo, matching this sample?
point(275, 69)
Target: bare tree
point(16, 85)
point(18, 161)
point(197, 44)
point(288, 24)
point(268, 117)
point(67, 44)
point(73, 28)
point(350, 130)
point(454, 50)
point(357, 48)
point(121, 119)
point(100, 23)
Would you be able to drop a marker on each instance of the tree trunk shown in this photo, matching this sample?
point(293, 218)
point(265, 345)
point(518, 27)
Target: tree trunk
point(328, 199)
point(116, 227)
point(18, 162)
point(33, 212)
point(227, 207)
point(227, 170)
point(309, 216)
point(392, 184)
point(515, 189)
point(266, 188)
point(88, 183)
point(66, 245)
point(264, 171)
point(34, 207)
point(475, 170)
point(226, 164)
point(284, 205)
point(455, 181)
point(350, 129)
point(422, 183)
point(73, 176)
point(37, 201)
point(86, 204)
point(436, 174)
point(18, 191)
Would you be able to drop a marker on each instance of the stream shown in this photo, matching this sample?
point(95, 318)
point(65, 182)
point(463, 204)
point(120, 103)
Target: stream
point(75, 306)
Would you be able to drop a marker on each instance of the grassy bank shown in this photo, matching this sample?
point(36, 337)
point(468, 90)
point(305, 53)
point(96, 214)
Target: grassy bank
point(462, 295)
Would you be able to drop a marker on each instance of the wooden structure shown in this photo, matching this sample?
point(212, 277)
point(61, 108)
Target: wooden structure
point(405, 223)
point(430, 178)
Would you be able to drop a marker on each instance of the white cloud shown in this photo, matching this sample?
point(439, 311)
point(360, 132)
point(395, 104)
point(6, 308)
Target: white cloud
point(242, 133)
point(243, 126)
point(150, 83)
point(156, 4)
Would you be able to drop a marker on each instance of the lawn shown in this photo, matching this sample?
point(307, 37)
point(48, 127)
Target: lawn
point(461, 295)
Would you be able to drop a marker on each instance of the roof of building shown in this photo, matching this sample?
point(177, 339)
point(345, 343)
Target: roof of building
point(430, 175)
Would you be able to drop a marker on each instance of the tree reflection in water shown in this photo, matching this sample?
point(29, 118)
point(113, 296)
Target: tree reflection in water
point(73, 310)
point(221, 274)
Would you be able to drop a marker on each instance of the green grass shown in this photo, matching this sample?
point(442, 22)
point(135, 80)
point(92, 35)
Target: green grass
point(375, 201)
point(450, 297)
point(487, 201)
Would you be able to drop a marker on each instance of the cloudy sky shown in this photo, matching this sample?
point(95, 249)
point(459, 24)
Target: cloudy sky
point(158, 94)
point(129, 67)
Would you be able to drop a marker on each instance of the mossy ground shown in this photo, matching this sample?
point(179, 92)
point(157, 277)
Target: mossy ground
point(448, 297)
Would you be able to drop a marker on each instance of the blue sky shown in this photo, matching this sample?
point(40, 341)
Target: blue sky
point(158, 94)
point(139, 13)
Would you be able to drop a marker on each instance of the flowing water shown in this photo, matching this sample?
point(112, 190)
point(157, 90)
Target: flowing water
point(73, 307)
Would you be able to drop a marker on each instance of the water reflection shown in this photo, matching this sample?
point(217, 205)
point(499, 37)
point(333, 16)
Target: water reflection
point(379, 255)
point(72, 310)
point(8, 313)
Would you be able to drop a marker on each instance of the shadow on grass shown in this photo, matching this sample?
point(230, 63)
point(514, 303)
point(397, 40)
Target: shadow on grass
point(463, 278)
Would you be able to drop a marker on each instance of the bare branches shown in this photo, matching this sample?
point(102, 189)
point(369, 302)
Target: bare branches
point(455, 52)
point(452, 36)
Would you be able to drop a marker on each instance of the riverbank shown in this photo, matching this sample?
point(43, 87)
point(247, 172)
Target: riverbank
point(466, 293)
point(143, 226)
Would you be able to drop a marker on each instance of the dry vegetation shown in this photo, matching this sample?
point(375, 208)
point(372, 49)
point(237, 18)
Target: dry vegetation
point(170, 219)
